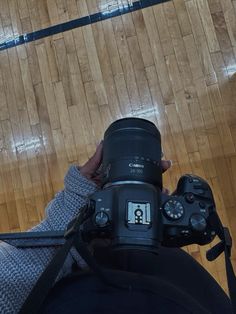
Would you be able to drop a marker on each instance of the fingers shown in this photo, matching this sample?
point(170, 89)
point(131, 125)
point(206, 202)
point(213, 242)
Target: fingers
point(165, 191)
point(96, 159)
point(166, 164)
point(94, 162)
point(97, 181)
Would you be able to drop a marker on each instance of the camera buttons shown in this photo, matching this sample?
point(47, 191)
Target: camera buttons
point(189, 197)
point(202, 205)
point(101, 219)
point(198, 222)
point(173, 209)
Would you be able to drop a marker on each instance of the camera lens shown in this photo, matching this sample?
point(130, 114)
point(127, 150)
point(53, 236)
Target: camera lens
point(132, 152)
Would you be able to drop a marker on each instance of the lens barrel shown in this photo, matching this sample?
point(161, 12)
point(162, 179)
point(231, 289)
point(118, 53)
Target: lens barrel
point(132, 152)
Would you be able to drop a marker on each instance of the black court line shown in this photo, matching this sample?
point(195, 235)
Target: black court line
point(86, 20)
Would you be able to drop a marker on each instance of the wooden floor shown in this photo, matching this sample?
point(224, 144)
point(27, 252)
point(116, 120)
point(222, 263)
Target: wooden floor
point(172, 63)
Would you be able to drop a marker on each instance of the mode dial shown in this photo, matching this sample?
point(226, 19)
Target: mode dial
point(173, 209)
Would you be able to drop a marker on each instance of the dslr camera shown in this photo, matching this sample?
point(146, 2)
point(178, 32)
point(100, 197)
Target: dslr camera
point(131, 210)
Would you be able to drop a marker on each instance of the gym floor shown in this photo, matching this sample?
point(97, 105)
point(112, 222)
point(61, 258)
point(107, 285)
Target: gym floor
point(172, 63)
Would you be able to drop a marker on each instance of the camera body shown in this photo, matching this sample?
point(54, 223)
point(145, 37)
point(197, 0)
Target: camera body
point(130, 210)
point(139, 216)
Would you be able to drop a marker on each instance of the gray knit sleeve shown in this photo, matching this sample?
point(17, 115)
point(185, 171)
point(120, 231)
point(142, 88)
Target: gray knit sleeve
point(20, 268)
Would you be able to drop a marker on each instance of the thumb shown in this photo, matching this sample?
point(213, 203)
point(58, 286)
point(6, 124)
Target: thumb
point(94, 162)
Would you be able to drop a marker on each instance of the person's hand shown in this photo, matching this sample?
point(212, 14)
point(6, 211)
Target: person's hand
point(166, 164)
point(90, 169)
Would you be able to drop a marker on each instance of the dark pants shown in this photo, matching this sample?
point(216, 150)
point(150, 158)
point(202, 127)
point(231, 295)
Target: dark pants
point(177, 274)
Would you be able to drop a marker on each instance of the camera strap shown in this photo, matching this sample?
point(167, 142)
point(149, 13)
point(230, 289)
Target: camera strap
point(225, 246)
point(48, 277)
point(46, 281)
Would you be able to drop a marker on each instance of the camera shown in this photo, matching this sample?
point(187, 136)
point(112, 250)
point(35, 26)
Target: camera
point(132, 213)
point(130, 209)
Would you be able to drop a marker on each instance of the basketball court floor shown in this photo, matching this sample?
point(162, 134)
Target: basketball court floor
point(70, 68)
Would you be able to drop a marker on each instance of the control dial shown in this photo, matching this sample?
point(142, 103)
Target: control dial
point(101, 219)
point(198, 222)
point(173, 209)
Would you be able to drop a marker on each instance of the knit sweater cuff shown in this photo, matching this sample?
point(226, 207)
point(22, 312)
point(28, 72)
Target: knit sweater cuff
point(76, 183)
